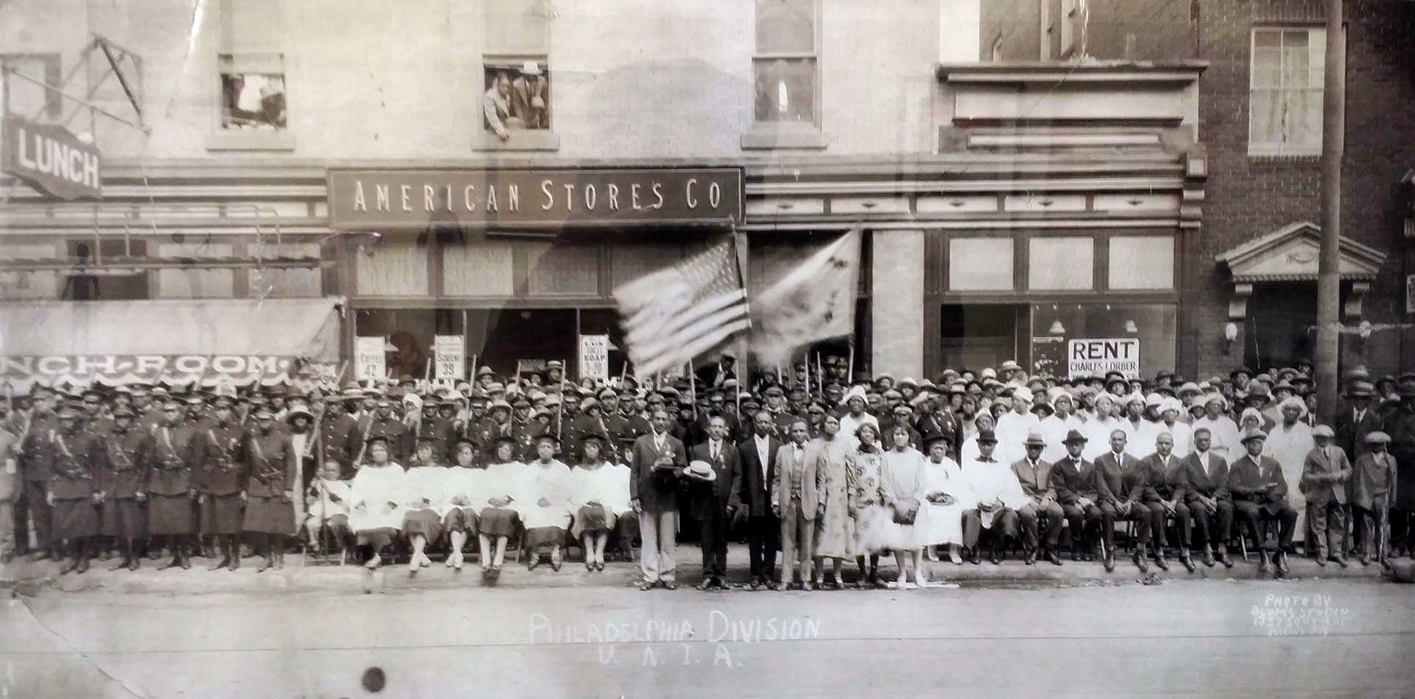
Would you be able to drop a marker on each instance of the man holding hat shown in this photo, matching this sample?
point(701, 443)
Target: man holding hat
point(715, 498)
point(1325, 473)
point(74, 490)
point(1074, 479)
point(126, 452)
point(657, 463)
point(1260, 494)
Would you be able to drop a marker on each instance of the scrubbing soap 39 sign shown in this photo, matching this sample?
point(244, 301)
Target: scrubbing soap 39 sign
point(1099, 357)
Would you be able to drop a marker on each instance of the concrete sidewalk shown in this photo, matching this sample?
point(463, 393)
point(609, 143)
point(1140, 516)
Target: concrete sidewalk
point(35, 578)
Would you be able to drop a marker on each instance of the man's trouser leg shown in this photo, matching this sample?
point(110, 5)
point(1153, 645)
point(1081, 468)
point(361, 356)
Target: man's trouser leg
point(1108, 527)
point(762, 536)
point(805, 543)
point(1027, 516)
point(40, 513)
point(1336, 531)
point(1076, 519)
point(1286, 518)
point(1050, 519)
point(1184, 521)
point(7, 528)
point(1245, 514)
point(1317, 522)
point(1140, 515)
point(1005, 525)
point(714, 543)
point(659, 530)
point(1155, 521)
point(972, 527)
point(788, 543)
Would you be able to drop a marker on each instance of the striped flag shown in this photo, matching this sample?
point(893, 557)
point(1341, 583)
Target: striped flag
point(813, 302)
point(676, 314)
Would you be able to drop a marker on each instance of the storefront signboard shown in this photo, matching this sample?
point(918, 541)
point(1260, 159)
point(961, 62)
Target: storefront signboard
point(51, 159)
point(171, 369)
point(594, 356)
point(413, 200)
point(369, 359)
point(451, 353)
point(1096, 357)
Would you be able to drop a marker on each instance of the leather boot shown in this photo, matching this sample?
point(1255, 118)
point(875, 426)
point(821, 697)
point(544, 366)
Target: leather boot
point(81, 553)
point(1159, 558)
point(1221, 555)
point(1141, 559)
point(127, 558)
point(1263, 565)
point(1208, 557)
point(235, 556)
point(1185, 560)
point(1280, 562)
point(224, 547)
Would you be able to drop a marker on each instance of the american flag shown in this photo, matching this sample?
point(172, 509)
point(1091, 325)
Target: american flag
point(681, 312)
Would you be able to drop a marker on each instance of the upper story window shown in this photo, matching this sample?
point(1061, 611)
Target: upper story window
point(784, 65)
point(1285, 91)
point(252, 112)
point(516, 108)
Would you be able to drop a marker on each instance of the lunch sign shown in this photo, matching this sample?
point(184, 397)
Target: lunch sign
point(413, 200)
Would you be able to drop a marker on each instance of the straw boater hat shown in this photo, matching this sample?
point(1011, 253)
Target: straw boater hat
point(1252, 434)
point(299, 411)
point(701, 470)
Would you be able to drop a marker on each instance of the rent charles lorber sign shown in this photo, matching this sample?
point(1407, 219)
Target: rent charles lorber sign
point(390, 200)
point(1097, 357)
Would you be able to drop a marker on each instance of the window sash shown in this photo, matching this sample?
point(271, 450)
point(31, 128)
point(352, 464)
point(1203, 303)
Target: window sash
point(1286, 83)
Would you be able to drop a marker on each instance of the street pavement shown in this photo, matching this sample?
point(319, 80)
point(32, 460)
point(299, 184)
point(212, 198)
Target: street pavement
point(312, 632)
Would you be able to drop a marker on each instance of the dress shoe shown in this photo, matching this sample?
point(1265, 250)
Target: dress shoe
point(755, 584)
point(135, 563)
point(1051, 557)
point(1263, 565)
point(533, 562)
point(705, 585)
point(224, 562)
point(807, 586)
point(669, 585)
point(975, 556)
point(1186, 561)
point(69, 566)
point(1160, 561)
point(82, 567)
point(1075, 555)
point(1339, 560)
point(1109, 562)
point(1208, 557)
point(186, 563)
point(1281, 562)
point(1221, 555)
point(1365, 560)
point(1031, 557)
point(995, 557)
point(127, 561)
point(1140, 560)
point(647, 585)
point(1321, 561)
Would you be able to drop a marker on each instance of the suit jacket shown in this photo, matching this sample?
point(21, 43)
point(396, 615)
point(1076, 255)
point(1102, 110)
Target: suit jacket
point(801, 478)
point(1116, 478)
point(722, 493)
point(1196, 481)
point(656, 489)
point(1036, 482)
point(1074, 478)
point(1158, 482)
point(1320, 476)
point(1351, 434)
point(756, 489)
point(1374, 477)
point(1258, 481)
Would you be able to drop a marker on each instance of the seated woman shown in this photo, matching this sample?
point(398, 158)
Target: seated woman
point(940, 518)
point(626, 529)
point(545, 509)
point(598, 494)
point(461, 492)
point(376, 502)
point(498, 520)
point(424, 484)
point(327, 506)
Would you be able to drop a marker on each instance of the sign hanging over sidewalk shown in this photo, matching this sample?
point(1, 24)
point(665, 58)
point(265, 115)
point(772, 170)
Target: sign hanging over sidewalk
point(1097, 357)
point(51, 159)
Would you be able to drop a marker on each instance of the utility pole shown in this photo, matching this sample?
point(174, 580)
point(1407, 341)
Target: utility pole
point(1328, 269)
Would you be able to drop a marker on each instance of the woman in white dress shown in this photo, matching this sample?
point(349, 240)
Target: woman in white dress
point(941, 517)
point(902, 489)
point(462, 491)
point(545, 509)
point(498, 520)
point(597, 496)
point(376, 497)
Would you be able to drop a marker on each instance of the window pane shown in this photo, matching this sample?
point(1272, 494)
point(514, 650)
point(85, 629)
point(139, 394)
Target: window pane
point(396, 267)
point(786, 26)
point(253, 92)
point(284, 283)
point(1267, 38)
point(478, 269)
point(1061, 263)
point(629, 261)
point(770, 262)
point(563, 269)
point(1294, 37)
point(1142, 262)
point(517, 96)
point(28, 285)
point(1265, 117)
point(786, 90)
point(980, 264)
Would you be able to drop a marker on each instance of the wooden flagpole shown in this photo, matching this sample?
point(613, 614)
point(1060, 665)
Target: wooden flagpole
point(693, 388)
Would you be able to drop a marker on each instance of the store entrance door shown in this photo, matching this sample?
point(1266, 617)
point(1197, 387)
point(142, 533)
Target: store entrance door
point(1282, 321)
point(977, 336)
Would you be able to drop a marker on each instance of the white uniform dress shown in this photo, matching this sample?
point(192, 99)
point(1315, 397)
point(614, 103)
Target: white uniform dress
point(424, 486)
point(500, 481)
point(943, 524)
point(1290, 446)
point(604, 485)
point(376, 498)
point(550, 482)
point(463, 498)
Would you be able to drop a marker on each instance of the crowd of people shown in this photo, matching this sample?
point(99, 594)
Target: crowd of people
point(824, 468)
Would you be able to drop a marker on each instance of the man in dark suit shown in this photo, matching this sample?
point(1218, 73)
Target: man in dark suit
point(1163, 499)
point(1260, 494)
point(656, 468)
point(1121, 484)
point(1035, 475)
point(1074, 479)
point(758, 462)
point(714, 501)
point(1325, 473)
point(1353, 423)
point(1204, 476)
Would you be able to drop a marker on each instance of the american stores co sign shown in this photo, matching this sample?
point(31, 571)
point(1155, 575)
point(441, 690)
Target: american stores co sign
point(393, 200)
point(1097, 357)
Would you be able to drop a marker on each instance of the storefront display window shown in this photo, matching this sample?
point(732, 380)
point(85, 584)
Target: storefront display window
point(392, 267)
point(1054, 325)
point(980, 264)
point(1142, 262)
point(1061, 264)
point(284, 283)
point(561, 270)
point(478, 269)
point(196, 282)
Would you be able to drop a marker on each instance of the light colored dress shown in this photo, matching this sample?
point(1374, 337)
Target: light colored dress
point(552, 482)
point(870, 513)
point(1290, 447)
point(835, 531)
point(943, 524)
point(600, 485)
point(376, 497)
point(903, 477)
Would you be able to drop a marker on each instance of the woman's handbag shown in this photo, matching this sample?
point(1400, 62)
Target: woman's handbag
point(905, 511)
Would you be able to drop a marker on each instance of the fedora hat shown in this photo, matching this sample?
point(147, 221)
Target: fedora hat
point(1074, 436)
point(1034, 439)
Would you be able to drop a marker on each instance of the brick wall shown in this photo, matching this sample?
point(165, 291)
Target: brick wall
point(1162, 29)
point(1247, 197)
point(630, 78)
